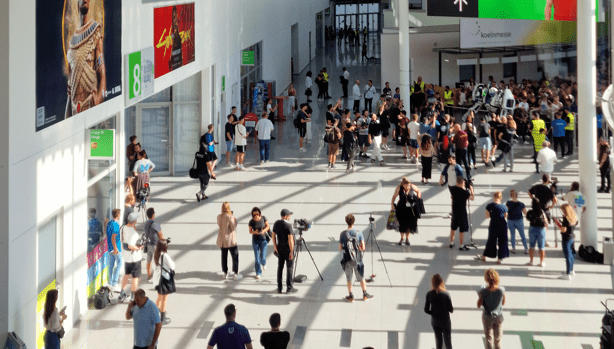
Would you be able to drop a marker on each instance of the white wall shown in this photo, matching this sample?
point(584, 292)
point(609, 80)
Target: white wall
point(46, 169)
point(390, 58)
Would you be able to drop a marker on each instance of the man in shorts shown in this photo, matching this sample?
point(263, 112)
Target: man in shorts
point(460, 219)
point(353, 267)
point(484, 140)
point(241, 135)
point(229, 135)
point(132, 250)
point(153, 233)
point(333, 137)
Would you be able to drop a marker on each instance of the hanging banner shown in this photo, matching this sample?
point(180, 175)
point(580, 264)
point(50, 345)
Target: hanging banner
point(78, 57)
point(173, 37)
point(139, 75)
point(101, 144)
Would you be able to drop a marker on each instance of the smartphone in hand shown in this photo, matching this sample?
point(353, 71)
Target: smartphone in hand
point(63, 311)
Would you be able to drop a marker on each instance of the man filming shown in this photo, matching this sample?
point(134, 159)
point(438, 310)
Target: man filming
point(283, 245)
point(352, 258)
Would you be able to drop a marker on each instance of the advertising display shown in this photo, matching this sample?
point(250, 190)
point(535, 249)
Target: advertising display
point(514, 32)
point(173, 37)
point(78, 57)
point(139, 75)
point(101, 144)
point(556, 10)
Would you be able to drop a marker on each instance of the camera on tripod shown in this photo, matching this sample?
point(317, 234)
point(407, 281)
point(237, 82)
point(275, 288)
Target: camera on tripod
point(302, 224)
point(143, 193)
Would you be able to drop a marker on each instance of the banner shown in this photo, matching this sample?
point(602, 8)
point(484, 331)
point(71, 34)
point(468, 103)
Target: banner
point(173, 37)
point(513, 32)
point(139, 75)
point(78, 57)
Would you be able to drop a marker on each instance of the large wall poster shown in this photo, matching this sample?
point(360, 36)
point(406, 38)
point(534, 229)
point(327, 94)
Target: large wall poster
point(78, 57)
point(173, 37)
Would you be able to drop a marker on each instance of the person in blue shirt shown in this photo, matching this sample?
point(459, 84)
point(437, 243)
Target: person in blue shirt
point(146, 318)
point(207, 146)
point(451, 169)
point(115, 249)
point(230, 335)
point(558, 132)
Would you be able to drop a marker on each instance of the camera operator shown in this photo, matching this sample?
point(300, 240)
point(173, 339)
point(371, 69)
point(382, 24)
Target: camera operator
point(132, 256)
point(353, 266)
point(283, 245)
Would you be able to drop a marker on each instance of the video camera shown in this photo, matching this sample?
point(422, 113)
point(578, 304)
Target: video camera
point(554, 181)
point(302, 224)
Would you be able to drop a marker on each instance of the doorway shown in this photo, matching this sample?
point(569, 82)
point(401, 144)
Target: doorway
point(309, 46)
point(294, 49)
point(319, 30)
point(155, 129)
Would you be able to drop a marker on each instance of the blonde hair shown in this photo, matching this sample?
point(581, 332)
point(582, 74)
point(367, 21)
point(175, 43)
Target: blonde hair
point(513, 193)
point(498, 195)
point(437, 283)
point(511, 123)
point(404, 181)
point(491, 277)
point(226, 208)
point(569, 213)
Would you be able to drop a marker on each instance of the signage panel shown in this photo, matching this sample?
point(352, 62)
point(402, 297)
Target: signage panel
point(247, 58)
point(101, 144)
point(173, 37)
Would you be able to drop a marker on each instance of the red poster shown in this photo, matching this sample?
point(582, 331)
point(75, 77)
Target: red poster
point(173, 37)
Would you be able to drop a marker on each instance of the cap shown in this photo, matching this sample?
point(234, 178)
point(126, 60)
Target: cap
point(286, 212)
point(133, 217)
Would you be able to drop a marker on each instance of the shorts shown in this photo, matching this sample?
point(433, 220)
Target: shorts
point(460, 222)
point(413, 143)
point(485, 143)
point(333, 148)
point(240, 149)
point(150, 253)
point(385, 132)
point(212, 156)
point(302, 131)
point(133, 269)
point(363, 140)
point(229, 146)
point(354, 268)
point(537, 236)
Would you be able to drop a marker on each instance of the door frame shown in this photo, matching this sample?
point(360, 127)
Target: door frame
point(138, 132)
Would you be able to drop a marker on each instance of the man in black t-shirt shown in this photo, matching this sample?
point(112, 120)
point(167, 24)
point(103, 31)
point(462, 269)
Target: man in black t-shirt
point(283, 245)
point(460, 219)
point(203, 174)
point(275, 339)
point(543, 193)
point(229, 132)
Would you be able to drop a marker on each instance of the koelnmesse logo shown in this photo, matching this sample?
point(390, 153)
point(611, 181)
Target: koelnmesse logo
point(490, 35)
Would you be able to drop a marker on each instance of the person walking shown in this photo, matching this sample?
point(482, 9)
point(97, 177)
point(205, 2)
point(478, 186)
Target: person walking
point(537, 231)
point(353, 266)
point(227, 242)
point(567, 226)
point(241, 135)
point(263, 130)
point(132, 257)
point(369, 91)
point(203, 174)
point(230, 335)
point(207, 146)
point(460, 195)
point(406, 210)
point(115, 261)
point(283, 246)
point(163, 279)
point(333, 138)
point(492, 299)
point(275, 339)
point(461, 142)
point(349, 145)
point(414, 133)
point(558, 133)
point(439, 306)
point(344, 82)
point(515, 220)
point(427, 151)
point(375, 138)
point(229, 134)
point(506, 145)
point(356, 95)
point(153, 234)
point(302, 126)
point(546, 159)
point(146, 318)
point(259, 229)
point(53, 319)
point(497, 230)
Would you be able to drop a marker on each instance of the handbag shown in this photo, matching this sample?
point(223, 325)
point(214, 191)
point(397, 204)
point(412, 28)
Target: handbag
point(268, 236)
point(167, 285)
point(393, 223)
point(193, 172)
point(61, 332)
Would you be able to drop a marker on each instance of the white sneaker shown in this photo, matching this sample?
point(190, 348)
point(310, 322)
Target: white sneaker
point(257, 277)
point(565, 277)
point(242, 168)
point(237, 277)
point(265, 161)
point(264, 268)
point(573, 273)
point(529, 263)
point(542, 264)
point(261, 162)
point(224, 276)
point(548, 244)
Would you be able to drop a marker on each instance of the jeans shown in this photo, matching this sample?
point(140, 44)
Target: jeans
point(351, 155)
point(507, 158)
point(356, 107)
point(377, 151)
point(264, 149)
point(513, 225)
point(537, 236)
point(280, 271)
point(52, 340)
point(568, 254)
point(234, 253)
point(471, 154)
point(493, 330)
point(605, 176)
point(368, 104)
point(443, 335)
point(259, 254)
point(115, 264)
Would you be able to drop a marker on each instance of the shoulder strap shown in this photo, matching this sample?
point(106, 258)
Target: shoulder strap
point(162, 263)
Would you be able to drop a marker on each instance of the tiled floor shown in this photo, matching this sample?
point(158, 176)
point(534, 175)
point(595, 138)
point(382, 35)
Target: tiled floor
point(541, 311)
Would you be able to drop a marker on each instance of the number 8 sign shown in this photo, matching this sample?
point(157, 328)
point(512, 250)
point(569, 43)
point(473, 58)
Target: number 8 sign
point(139, 75)
point(134, 72)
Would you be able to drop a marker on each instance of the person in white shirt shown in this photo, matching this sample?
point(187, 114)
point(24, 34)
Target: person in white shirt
point(356, 96)
point(345, 82)
point(263, 130)
point(546, 159)
point(241, 135)
point(414, 132)
point(132, 255)
point(523, 104)
point(52, 319)
point(164, 265)
point(576, 200)
point(369, 90)
point(308, 85)
point(143, 165)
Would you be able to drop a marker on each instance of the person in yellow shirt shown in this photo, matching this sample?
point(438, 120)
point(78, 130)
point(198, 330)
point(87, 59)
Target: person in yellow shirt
point(326, 95)
point(448, 100)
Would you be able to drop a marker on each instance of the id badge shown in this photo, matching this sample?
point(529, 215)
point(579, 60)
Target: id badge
point(407, 204)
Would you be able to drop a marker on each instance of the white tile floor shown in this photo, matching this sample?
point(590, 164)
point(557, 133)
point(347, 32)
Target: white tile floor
point(541, 311)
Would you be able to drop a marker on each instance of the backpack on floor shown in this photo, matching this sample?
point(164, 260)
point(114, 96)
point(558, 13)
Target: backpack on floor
point(102, 298)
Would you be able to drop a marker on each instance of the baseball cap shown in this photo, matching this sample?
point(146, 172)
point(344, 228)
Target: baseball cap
point(286, 212)
point(133, 217)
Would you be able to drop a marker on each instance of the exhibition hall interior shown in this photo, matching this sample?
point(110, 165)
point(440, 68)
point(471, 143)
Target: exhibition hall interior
point(392, 174)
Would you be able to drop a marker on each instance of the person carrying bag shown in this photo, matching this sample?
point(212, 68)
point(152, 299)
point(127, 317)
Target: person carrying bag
point(164, 278)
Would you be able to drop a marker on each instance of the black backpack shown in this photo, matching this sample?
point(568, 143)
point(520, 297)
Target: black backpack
point(297, 120)
point(102, 298)
point(351, 251)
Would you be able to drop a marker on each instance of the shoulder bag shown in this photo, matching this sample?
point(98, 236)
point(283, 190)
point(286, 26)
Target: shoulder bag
point(193, 172)
point(166, 286)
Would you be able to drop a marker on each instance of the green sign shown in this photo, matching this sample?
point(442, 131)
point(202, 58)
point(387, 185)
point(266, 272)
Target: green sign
point(134, 79)
point(140, 74)
point(223, 83)
point(319, 16)
point(101, 143)
point(247, 58)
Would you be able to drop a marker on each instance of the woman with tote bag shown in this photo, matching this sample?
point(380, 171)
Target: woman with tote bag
point(164, 278)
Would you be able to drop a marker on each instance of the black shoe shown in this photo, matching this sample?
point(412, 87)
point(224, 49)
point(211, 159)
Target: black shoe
point(279, 291)
point(607, 191)
point(601, 190)
point(494, 164)
point(400, 243)
point(350, 298)
point(463, 248)
point(291, 290)
point(366, 296)
point(407, 242)
point(197, 198)
point(451, 245)
point(273, 137)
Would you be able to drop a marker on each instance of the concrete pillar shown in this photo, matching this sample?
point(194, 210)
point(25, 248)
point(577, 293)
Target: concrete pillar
point(4, 171)
point(587, 119)
point(404, 54)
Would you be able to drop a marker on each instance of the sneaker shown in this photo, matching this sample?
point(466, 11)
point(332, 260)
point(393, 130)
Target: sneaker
point(463, 248)
point(332, 166)
point(452, 245)
point(122, 296)
point(407, 242)
point(279, 291)
point(291, 290)
point(149, 278)
point(237, 277)
point(381, 163)
point(350, 298)
point(264, 268)
point(257, 277)
point(542, 264)
point(526, 251)
point(238, 168)
point(366, 296)
point(166, 321)
point(529, 264)
point(548, 244)
point(565, 277)
point(573, 273)
point(224, 276)
point(197, 198)
point(261, 162)
point(513, 251)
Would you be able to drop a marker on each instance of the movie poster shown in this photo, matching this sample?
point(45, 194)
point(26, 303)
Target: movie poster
point(173, 37)
point(78, 57)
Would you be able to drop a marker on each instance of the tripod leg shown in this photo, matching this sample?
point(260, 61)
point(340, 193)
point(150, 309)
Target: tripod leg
point(295, 258)
point(380, 254)
point(313, 260)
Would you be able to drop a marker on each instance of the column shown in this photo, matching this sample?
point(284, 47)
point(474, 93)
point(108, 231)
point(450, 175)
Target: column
point(403, 18)
point(4, 171)
point(587, 119)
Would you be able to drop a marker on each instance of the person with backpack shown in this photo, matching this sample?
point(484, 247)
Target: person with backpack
point(332, 137)
point(153, 233)
point(352, 243)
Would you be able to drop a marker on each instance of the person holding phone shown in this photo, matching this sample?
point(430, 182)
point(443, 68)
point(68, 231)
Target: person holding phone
point(53, 319)
point(259, 229)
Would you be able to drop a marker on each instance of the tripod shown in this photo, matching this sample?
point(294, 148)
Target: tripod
point(471, 243)
point(298, 247)
point(370, 240)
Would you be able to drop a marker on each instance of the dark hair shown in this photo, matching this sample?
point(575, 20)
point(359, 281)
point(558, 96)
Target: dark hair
point(404, 112)
point(50, 300)
point(452, 156)
point(309, 73)
point(143, 154)
point(275, 318)
point(349, 219)
point(161, 246)
point(256, 209)
point(329, 107)
point(230, 310)
point(150, 212)
point(545, 178)
point(233, 107)
point(241, 118)
point(132, 138)
point(115, 213)
point(575, 186)
point(230, 116)
point(535, 206)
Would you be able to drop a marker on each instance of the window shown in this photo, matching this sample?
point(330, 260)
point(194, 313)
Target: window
point(466, 72)
point(509, 70)
point(415, 4)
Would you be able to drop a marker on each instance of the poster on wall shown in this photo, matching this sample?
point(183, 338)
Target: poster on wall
point(173, 37)
point(78, 57)
point(139, 75)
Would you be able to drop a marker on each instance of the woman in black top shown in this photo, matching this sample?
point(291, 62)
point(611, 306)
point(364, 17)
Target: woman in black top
point(537, 231)
point(506, 145)
point(567, 227)
point(406, 209)
point(497, 230)
point(439, 306)
point(259, 228)
point(604, 166)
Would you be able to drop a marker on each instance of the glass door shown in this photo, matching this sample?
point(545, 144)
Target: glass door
point(155, 136)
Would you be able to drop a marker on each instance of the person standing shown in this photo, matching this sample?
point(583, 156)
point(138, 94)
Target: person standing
point(363, 133)
point(461, 142)
point(406, 209)
point(132, 257)
point(375, 138)
point(229, 134)
point(558, 133)
point(567, 227)
point(207, 144)
point(115, 249)
point(283, 245)
point(308, 86)
point(203, 173)
point(576, 200)
point(570, 126)
point(427, 151)
point(130, 152)
point(460, 195)
point(356, 95)
point(439, 306)
point(497, 230)
point(263, 130)
point(515, 221)
point(165, 285)
point(302, 126)
point(414, 133)
point(227, 241)
point(484, 140)
point(344, 82)
point(364, 51)
point(369, 91)
point(492, 299)
point(546, 159)
point(349, 144)
point(604, 166)
point(230, 335)
point(333, 138)
point(52, 319)
point(506, 145)
point(538, 222)
point(275, 339)
point(259, 229)
point(325, 83)
point(153, 234)
point(241, 135)
point(353, 266)
point(401, 132)
point(146, 318)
